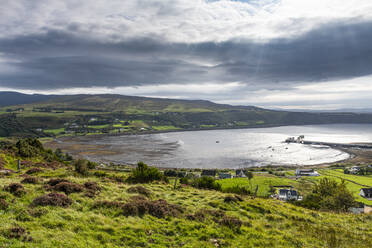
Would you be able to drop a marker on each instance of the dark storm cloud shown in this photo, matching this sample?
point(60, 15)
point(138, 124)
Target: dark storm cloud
point(64, 59)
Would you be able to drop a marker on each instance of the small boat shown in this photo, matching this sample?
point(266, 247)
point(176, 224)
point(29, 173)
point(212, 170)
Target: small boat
point(217, 141)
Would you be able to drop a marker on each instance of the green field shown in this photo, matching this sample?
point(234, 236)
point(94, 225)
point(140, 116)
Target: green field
point(165, 128)
point(264, 181)
point(99, 126)
point(55, 131)
point(303, 184)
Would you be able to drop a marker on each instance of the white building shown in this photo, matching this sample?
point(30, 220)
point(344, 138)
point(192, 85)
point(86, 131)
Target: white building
point(287, 194)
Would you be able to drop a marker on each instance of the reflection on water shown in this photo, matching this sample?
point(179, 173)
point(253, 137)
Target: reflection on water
point(234, 148)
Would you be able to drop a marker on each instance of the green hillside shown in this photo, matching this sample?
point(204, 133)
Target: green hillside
point(87, 114)
point(50, 203)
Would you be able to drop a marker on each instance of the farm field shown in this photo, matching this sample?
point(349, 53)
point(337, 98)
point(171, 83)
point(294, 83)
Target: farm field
point(303, 184)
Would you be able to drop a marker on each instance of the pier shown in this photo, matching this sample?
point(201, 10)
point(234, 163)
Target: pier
point(301, 140)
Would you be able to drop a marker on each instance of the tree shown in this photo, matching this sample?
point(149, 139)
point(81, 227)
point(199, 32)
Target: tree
point(249, 175)
point(328, 194)
point(81, 166)
point(145, 174)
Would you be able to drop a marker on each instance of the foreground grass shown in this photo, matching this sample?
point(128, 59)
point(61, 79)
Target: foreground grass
point(266, 222)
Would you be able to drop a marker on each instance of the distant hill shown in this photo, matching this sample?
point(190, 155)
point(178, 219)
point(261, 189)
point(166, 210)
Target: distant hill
point(8, 98)
point(26, 114)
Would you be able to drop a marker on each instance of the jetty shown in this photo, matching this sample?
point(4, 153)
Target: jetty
point(301, 140)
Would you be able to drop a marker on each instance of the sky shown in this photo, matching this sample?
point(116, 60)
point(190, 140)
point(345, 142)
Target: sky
point(287, 54)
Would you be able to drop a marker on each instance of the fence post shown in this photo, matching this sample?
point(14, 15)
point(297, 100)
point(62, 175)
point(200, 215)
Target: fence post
point(255, 192)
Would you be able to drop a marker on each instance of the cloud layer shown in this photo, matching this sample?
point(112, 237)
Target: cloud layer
point(240, 46)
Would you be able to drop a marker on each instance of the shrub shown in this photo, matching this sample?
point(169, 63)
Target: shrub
point(31, 180)
point(139, 190)
point(37, 212)
point(29, 148)
point(231, 222)
point(174, 173)
point(92, 186)
point(158, 208)
point(329, 195)
point(241, 190)
point(231, 198)
point(100, 174)
point(68, 187)
point(34, 170)
point(92, 189)
point(81, 166)
point(184, 180)
point(206, 183)
point(3, 204)
point(18, 232)
point(52, 199)
point(91, 165)
point(16, 189)
point(55, 181)
point(201, 215)
point(145, 174)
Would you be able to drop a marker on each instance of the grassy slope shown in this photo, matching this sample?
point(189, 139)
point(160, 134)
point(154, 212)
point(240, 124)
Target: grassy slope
point(267, 222)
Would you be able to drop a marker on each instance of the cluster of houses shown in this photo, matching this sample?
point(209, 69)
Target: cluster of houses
point(223, 175)
point(357, 169)
point(300, 139)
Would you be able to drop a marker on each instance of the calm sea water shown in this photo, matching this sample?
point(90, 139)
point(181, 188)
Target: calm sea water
point(235, 148)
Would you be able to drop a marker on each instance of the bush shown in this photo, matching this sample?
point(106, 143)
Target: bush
point(52, 199)
point(231, 198)
point(18, 232)
point(34, 170)
point(139, 190)
point(174, 173)
point(158, 208)
point(184, 180)
point(145, 174)
point(16, 189)
point(329, 195)
point(81, 166)
point(31, 180)
point(100, 174)
point(3, 204)
point(29, 148)
point(231, 222)
point(92, 189)
point(91, 165)
point(201, 215)
point(92, 186)
point(206, 183)
point(241, 190)
point(55, 181)
point(68, 187)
